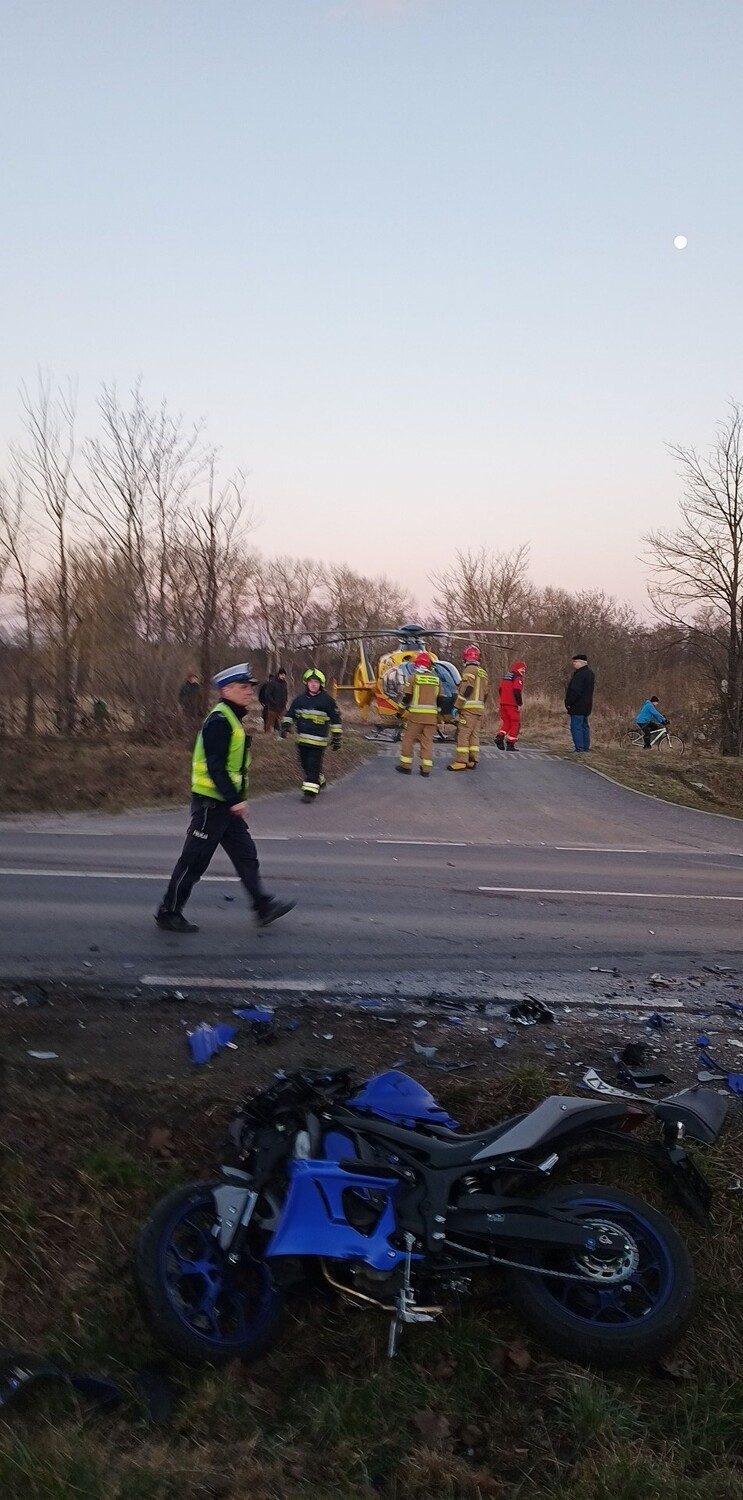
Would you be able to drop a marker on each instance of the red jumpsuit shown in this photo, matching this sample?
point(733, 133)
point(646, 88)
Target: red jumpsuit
point(511, 697)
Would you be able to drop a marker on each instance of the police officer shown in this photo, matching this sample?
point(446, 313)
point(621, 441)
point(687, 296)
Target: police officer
point(313, 714)
point(470, 706)
point(421, 705)
point(219, 786)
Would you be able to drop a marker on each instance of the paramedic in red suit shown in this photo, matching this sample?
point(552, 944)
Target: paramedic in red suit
point(511, 697)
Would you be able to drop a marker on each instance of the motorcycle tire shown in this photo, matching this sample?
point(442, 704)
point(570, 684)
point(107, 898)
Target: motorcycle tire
point(627, 1325)
point(196, 1305)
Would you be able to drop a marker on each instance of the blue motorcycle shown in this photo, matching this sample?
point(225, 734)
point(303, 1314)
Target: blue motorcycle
point(374, 1188)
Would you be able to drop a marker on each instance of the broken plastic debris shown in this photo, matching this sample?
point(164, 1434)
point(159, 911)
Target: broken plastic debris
point(528, 1012)
point(427, 1052)
point(206, 1040)
point(254, 1013)
point(499, 1041)
point(656, 1021)
point(43, 1056)
point(661, 983)
point(591, 1080)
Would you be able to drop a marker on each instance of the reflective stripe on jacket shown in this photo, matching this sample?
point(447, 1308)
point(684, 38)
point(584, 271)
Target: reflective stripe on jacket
point(473, 690)
point(237, 763)
point(421, 696)
point(314, 715)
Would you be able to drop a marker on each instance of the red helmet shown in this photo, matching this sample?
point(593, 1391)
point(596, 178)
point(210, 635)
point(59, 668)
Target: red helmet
point(519, 666)
point(423, 660)
point(471, 654)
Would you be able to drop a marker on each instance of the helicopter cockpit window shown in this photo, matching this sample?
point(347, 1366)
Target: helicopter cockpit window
point(449, 677)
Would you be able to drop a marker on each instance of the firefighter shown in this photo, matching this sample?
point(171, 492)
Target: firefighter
point(421, 711)
point(470, 706)
point(313, 713)
point(511, 695)
point(219, 787)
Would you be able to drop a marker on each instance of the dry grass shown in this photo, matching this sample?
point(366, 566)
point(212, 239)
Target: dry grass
point(326, 1413)
point(114, 773)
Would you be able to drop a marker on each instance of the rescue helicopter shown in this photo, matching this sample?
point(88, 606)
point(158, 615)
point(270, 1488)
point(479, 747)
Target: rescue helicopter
point(380, 683)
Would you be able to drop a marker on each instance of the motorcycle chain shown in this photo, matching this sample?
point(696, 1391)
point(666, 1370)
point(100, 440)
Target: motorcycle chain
point(517, 1265)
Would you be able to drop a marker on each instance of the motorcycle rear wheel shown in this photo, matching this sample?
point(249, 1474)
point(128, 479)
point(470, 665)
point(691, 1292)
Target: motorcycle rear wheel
point(198, 1306)
point(626, 1325)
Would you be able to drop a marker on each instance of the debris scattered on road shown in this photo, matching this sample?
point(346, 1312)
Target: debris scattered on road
point(530, 1011)
point(427, 1052)
point(634, 1054)
point(499, 1041)
point(43, 1056)
point(254, 1013)
point(591, 1080)
point(207, 1040)
point(642, 1078)
point(661, 983)
point(657, 1022)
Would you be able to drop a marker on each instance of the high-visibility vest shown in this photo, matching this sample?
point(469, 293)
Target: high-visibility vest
point(238, 758)
point(476, 678)
point(424, 688)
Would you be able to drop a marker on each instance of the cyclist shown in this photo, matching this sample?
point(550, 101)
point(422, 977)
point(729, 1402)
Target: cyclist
point(648, 719)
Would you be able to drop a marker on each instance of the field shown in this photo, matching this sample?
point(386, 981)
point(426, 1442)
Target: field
point(114, 773)
point(470, 1408)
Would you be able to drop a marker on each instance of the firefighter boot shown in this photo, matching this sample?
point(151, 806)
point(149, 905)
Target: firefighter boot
point(510, 745)
point(500, 740)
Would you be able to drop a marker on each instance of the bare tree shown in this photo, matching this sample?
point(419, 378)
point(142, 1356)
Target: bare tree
point(15, 558)
point(698, 567)
point(286, 591)
point(210, 552)
point(45, 464)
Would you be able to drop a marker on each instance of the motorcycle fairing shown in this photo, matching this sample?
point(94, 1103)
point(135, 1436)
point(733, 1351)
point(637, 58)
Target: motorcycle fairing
point(397, 1097)
point(313, 1218)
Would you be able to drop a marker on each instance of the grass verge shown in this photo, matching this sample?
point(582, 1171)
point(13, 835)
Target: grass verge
point(467, 1410)
point(115, 773)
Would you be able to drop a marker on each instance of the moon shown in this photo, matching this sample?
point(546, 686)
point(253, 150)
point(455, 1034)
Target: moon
point(681, 242)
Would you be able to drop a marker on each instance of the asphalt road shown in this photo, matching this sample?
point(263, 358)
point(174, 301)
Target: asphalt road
point(531, 871)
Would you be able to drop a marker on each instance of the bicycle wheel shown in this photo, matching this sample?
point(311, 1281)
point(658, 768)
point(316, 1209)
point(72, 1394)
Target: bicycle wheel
point(632, 739)
point(671, 742)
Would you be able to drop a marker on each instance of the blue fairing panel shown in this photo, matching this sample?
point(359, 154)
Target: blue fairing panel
point(397, 1097)
point(313, 1221)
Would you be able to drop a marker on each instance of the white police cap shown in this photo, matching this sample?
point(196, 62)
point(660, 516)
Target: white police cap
point(240, 673)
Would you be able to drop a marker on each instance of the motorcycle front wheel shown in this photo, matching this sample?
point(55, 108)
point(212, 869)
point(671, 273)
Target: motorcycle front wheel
point(627, 1323)
point(197, 1305)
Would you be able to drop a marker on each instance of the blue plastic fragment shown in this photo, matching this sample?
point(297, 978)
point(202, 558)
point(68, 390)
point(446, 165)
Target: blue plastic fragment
point(735, 1082)
point(732, 1005)
point(368, 1004)
point(206, 1040)
point(293, 1025)
point(656, 1021)
point(254, 1013)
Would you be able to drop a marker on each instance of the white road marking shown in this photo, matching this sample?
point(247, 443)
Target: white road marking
point(427, 843)
point(287, 986)
point(104, 875)
point(594, 849)
point(536, 890)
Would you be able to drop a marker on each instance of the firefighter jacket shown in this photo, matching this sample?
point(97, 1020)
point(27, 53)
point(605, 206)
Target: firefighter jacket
point(472, 694)
point(421, 696)
point(314, 716)
point(511, 691)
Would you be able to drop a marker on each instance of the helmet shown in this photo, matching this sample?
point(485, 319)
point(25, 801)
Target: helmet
point(423, 660)
point(471, 654)
point(519, 666)
point(314, 672)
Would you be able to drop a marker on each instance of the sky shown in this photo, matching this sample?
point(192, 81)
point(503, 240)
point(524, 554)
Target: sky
point(411, 260)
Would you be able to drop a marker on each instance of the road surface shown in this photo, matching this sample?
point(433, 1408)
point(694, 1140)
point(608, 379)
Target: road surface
point(532, 870)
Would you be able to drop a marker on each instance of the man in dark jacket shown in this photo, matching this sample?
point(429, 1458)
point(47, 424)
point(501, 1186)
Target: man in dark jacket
point(313, 713)
point(189, 698)
point(579, 702)
point(219, 791)
point(273, 698)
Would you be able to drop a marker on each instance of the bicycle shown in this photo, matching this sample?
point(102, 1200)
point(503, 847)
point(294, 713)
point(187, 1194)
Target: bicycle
point(660, 739)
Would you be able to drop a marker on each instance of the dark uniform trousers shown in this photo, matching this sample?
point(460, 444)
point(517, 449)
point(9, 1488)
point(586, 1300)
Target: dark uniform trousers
point(212, 824)
point(311, 759)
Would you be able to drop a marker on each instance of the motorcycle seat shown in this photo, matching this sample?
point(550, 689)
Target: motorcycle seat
point(700, 1111)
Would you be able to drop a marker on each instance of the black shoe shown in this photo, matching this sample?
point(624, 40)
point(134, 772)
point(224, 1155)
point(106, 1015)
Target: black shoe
point(273, 910)
point(425, 773)
point(500, 741)
point(511, 746)
point(404, 770)
point(174, 921)
point(308, 796)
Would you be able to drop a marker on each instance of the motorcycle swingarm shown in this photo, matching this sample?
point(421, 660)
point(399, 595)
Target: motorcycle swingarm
point(518, 1222)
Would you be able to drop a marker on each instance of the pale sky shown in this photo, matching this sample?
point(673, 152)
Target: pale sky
point(411, 259)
